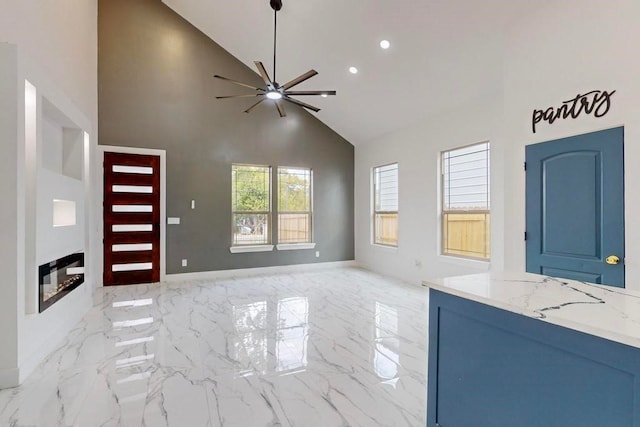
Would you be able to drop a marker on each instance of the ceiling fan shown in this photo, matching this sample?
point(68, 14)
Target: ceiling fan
point(273, 90)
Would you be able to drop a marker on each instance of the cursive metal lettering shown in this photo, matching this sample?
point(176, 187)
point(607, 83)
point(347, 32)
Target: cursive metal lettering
point(596, 102)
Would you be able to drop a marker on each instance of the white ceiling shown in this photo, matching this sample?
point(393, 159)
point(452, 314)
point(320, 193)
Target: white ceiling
point(444, 53)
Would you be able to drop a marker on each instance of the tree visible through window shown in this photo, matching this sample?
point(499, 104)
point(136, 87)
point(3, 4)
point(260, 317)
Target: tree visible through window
point(294, 205)
point(385, 205)
point(251, 204)
point(465, 202)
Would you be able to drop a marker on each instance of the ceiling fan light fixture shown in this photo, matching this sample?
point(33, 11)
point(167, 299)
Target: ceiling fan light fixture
point(273, 90)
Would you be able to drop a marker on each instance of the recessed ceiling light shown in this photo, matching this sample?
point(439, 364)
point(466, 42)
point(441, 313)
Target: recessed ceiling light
point(385, 44)
point(353, 70)
point(324, 95)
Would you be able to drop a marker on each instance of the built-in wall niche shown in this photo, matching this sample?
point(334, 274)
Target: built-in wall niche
point(62, 142)
point(64, 213)
point(55, 163)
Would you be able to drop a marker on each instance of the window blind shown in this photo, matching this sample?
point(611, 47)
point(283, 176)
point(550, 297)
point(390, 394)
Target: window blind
point(466, 178)
point(386, 186)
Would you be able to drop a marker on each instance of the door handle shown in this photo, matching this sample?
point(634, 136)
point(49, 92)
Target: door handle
point(612, 259)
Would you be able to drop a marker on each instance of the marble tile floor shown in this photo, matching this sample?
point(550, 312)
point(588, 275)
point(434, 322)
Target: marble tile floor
point(334, 347)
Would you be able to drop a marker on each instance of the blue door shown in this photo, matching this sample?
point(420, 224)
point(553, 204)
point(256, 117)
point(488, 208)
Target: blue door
point(575, 207)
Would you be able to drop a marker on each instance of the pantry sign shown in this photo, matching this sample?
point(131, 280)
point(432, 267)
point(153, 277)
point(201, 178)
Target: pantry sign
point(596, 102)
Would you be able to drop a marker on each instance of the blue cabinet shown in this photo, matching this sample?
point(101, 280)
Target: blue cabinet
point(491, 367)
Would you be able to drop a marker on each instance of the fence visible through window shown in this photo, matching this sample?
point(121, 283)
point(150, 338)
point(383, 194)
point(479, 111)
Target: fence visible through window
point(294, 205)
point(466, 202)
point(385, 205)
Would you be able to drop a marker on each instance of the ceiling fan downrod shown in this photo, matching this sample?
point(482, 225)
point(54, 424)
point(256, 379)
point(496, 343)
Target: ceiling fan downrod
point(276, 5)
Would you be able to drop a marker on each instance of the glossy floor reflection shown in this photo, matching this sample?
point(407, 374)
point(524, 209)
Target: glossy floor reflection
point(338, 347)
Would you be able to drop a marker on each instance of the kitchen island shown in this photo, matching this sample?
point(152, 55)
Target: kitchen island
point(519, 349)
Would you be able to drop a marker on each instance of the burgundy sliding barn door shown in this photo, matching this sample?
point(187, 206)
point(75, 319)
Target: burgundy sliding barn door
point(131, 219)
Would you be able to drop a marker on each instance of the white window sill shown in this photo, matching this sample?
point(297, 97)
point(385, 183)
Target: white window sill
point(393, 249)
point(250, 248)
point(467, 262)
point(295, 246)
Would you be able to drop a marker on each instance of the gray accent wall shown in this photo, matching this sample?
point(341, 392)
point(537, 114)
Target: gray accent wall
point(156, 90)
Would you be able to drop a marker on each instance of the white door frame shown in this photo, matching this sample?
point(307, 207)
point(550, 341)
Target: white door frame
point(163, 201)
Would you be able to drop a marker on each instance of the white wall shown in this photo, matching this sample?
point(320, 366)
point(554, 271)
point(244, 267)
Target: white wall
point(62, 36)
point(11, 242)
point(38, 241)
point(55, 45)
point(549, 56)
point(54, 183)
point(552, 57)
point(417, 151)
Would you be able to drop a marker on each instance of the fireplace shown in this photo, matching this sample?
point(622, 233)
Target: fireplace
point(58, 278)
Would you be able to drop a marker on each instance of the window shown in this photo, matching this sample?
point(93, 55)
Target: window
point(294, 205)
point(465, 202)
point(251, 204)
point(385, 205)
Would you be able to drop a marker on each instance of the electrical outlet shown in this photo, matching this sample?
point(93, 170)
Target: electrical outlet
point(317, 254)
point(184, 262)
point(193, 204)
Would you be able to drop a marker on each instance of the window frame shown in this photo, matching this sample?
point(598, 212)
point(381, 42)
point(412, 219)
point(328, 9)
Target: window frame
point(252, 246)
point(444, 212)
point(310, 243)
point(375, 212)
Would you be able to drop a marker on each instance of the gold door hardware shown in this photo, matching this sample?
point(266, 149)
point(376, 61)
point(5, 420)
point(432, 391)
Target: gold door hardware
point(612, 259)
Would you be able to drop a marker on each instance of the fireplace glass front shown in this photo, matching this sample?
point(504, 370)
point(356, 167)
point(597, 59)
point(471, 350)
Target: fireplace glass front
point(58, 278)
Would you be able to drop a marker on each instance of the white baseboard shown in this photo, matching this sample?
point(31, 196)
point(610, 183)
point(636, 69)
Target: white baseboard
point(392, 275)
point(246, 272)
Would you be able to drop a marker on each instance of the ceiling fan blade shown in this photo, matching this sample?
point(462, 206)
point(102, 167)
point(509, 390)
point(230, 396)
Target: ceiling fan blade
point(239, 96)
point(263, 73)
point(299, 79)
point(302, 104)
point(237, 82)
point(248, 110)
point(310, 92)
point(280, 108)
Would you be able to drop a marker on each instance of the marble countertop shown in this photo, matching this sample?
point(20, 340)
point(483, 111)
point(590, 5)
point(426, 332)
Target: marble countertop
point(604, 311)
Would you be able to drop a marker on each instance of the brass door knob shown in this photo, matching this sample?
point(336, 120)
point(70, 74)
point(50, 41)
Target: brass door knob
point(612, 259)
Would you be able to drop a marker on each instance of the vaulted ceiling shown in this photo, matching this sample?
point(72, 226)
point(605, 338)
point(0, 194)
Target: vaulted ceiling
point(443, 54)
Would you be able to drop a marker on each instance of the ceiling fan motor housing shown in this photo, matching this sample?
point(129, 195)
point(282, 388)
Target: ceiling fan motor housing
point(276, 5)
